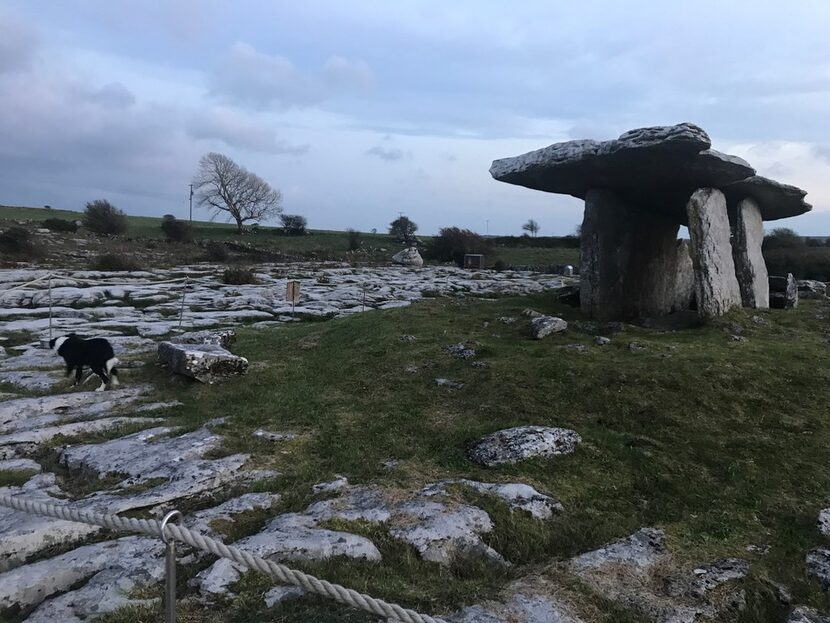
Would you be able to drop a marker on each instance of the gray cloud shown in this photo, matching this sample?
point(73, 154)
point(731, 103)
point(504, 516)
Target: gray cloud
point(822, 152)
point(248, 77)
point(18, 44)
point(226, 126)
point(389, 154)
point(113, 95)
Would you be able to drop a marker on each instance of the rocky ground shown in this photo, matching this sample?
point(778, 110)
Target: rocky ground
point(118, 452)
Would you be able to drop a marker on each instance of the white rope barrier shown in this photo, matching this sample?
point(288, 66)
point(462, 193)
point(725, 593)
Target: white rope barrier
point(283, 574)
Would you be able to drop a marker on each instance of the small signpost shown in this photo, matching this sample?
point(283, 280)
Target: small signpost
point(292, 293)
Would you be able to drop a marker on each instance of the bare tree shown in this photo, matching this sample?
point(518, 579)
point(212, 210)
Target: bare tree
point(222, 185)
point(532, 227)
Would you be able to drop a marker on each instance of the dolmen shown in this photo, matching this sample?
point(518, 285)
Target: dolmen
point(638, 190)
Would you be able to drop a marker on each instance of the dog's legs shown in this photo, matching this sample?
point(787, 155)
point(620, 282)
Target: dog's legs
point(105, 379)
point(112, 371)
point(79, 372)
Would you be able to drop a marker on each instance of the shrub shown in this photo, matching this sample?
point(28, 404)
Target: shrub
point(217, 251)
point(293, 224)
point(452, 243)
point(176, 230)
point(20, 241)
point(115, 261)
point(354, 239)
point(803, 262)
point(783, 238)
point(238, 276)
point(102, 217)
point(500, 266)
point(59, 224)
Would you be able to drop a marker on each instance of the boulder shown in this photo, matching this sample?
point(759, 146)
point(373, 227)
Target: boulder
point(542, 326)
point(750, 268)
point(204, 362)
point(809, 289)
point(818, 566)
point(522, 442)
point(408, 257)
point(783, 292)
point(824, 522)
point(716, 286)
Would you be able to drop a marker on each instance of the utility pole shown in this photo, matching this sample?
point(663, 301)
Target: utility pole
point(191, 203)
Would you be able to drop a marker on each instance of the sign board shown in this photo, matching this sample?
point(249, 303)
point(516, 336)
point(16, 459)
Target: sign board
point(292, 291)
point(473, 260)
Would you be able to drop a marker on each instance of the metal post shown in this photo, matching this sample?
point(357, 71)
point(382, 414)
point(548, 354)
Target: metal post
point(191, 203)
point(50, 307)
point(169, 569)
point(184, 292)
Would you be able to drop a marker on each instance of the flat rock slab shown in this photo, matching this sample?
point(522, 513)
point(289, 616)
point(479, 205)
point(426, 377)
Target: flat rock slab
point(522, 607)
point(824, 522)
point(206, 363)
point(803, 614)
point(810, 289)
point(287, 537)
point(776, 200)
point(521, 443)
point(218, 337)
point(517, 495)
point(661, 166)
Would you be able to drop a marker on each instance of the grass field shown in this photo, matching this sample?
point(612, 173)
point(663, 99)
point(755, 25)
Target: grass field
point(722, 443)
point(316, 244)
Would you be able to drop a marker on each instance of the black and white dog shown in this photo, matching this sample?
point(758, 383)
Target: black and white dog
point(95, 353)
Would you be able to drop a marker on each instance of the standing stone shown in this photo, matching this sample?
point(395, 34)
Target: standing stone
point(750, 268)
point(684, 278)
point(628, 259)
point(716, 286)
point(783, 292)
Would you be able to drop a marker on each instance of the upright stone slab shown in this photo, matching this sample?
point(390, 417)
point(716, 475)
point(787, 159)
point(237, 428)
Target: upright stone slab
point(716, 286)
point(750, 268)
point(628, 261)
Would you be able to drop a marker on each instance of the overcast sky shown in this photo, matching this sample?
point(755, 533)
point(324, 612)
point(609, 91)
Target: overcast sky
point(360, 110)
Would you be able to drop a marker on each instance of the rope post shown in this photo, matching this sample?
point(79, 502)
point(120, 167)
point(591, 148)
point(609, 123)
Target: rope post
point(169, 568)
point(184, 292)
point(50, 307)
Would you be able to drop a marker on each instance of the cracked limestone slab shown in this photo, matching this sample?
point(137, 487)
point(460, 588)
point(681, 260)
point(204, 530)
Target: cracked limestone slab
point(517, 495)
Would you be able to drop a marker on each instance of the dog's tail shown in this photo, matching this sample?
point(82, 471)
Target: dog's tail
point(112, 371)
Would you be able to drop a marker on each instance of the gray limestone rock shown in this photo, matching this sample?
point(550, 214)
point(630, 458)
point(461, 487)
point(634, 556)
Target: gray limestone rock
point(521, 607)
point(459, 351)
point(278, 594)
point(522, 442)
point(783, 292)
point(824, 522)
point(519, 496)
point(408, 257)
point(631, 263)
point(204, 362)
point(542, 326)
point(709, 577)
point(287, 537)
point(600, 340)
point(217, 337)
point(640, 550)
point(448, 384)
point(811, 289)
point(803, 614)
point(750, 267)
point(774, 199)
point(818, 566)
point(716, 286)
point(657, 165)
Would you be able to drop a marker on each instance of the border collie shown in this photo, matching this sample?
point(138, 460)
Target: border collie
point(96, 353)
